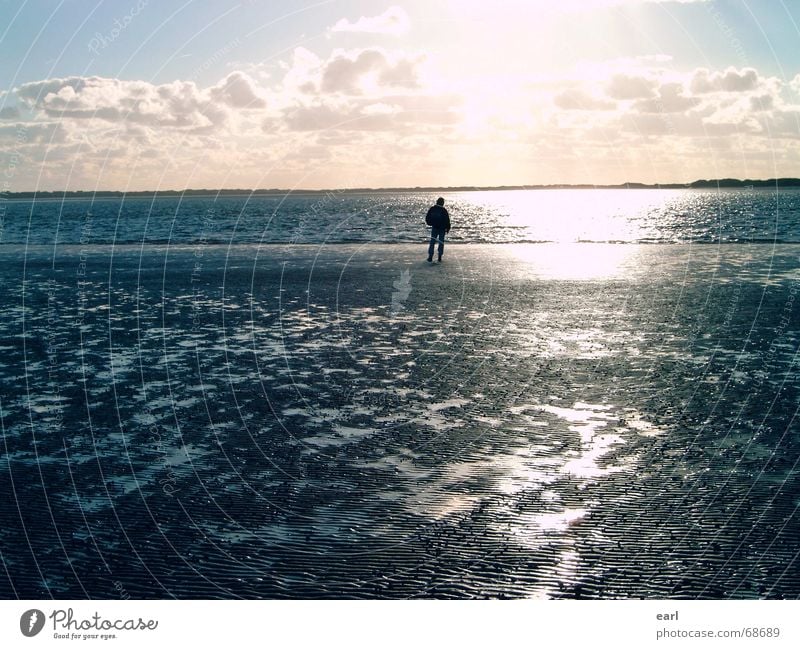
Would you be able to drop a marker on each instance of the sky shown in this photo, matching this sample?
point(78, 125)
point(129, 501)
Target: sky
point(310, 94)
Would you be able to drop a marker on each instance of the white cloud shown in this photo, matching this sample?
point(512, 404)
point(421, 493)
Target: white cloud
point(356, 72)
point(784, 123)
point(577, 99)
point(360, 90)
point(671, 112)
point(624, 86)
point(33, 134)
point(239, 91)
point(762, 103)
point(730, 80)
point(372, 113)
point(393, 21)
point(371, 71)
point(302, 74)
point(180, 104)
point(671, 98)
point(398, 114)
point(9, 112)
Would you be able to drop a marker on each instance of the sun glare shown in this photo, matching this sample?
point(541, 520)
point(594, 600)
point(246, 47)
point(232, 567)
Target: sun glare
point(577, 261)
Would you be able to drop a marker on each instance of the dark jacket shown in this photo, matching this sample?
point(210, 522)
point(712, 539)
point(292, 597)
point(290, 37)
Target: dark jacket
point(438, 217)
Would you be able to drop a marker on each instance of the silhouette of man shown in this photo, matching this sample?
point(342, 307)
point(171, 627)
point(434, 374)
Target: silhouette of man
point(439, 220)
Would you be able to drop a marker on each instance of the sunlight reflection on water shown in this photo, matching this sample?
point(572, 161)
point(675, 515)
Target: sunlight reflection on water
point(576, 261)
point(570, 215)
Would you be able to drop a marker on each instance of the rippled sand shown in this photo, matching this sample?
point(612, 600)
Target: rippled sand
point(612, 421)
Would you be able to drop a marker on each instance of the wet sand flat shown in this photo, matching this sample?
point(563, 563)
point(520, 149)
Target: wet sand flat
point(545, 421)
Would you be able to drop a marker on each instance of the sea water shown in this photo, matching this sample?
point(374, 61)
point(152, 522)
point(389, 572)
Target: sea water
point(568, 215)
point(279, 397)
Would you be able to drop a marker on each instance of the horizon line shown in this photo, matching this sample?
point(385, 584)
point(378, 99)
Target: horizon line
point(726, 183)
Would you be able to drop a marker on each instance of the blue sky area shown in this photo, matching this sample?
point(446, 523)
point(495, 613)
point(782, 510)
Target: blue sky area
point(317, 94)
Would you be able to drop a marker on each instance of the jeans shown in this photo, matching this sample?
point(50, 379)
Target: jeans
point(437, 235)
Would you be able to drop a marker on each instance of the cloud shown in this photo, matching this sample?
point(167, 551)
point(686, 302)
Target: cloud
point(360, 90)
point(385, 117)
point(656, 104)
point(21, 135)
point(783, 123)
point(623, 86)
point(9, 112)
point(394, 114)
point(180, 104)
point(368, 71)
point(671, 99)
point(302, 74)
point(355, 72)
point(576, 99)
point(731, 80)
point(393, 21)
point(762, 103)
point(239, 91)
point(320, 117)
point(683, 125)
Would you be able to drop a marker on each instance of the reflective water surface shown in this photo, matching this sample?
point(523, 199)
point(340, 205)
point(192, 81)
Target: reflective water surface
point(346, 421)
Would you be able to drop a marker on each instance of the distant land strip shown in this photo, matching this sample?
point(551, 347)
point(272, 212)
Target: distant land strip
point(722, 183)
